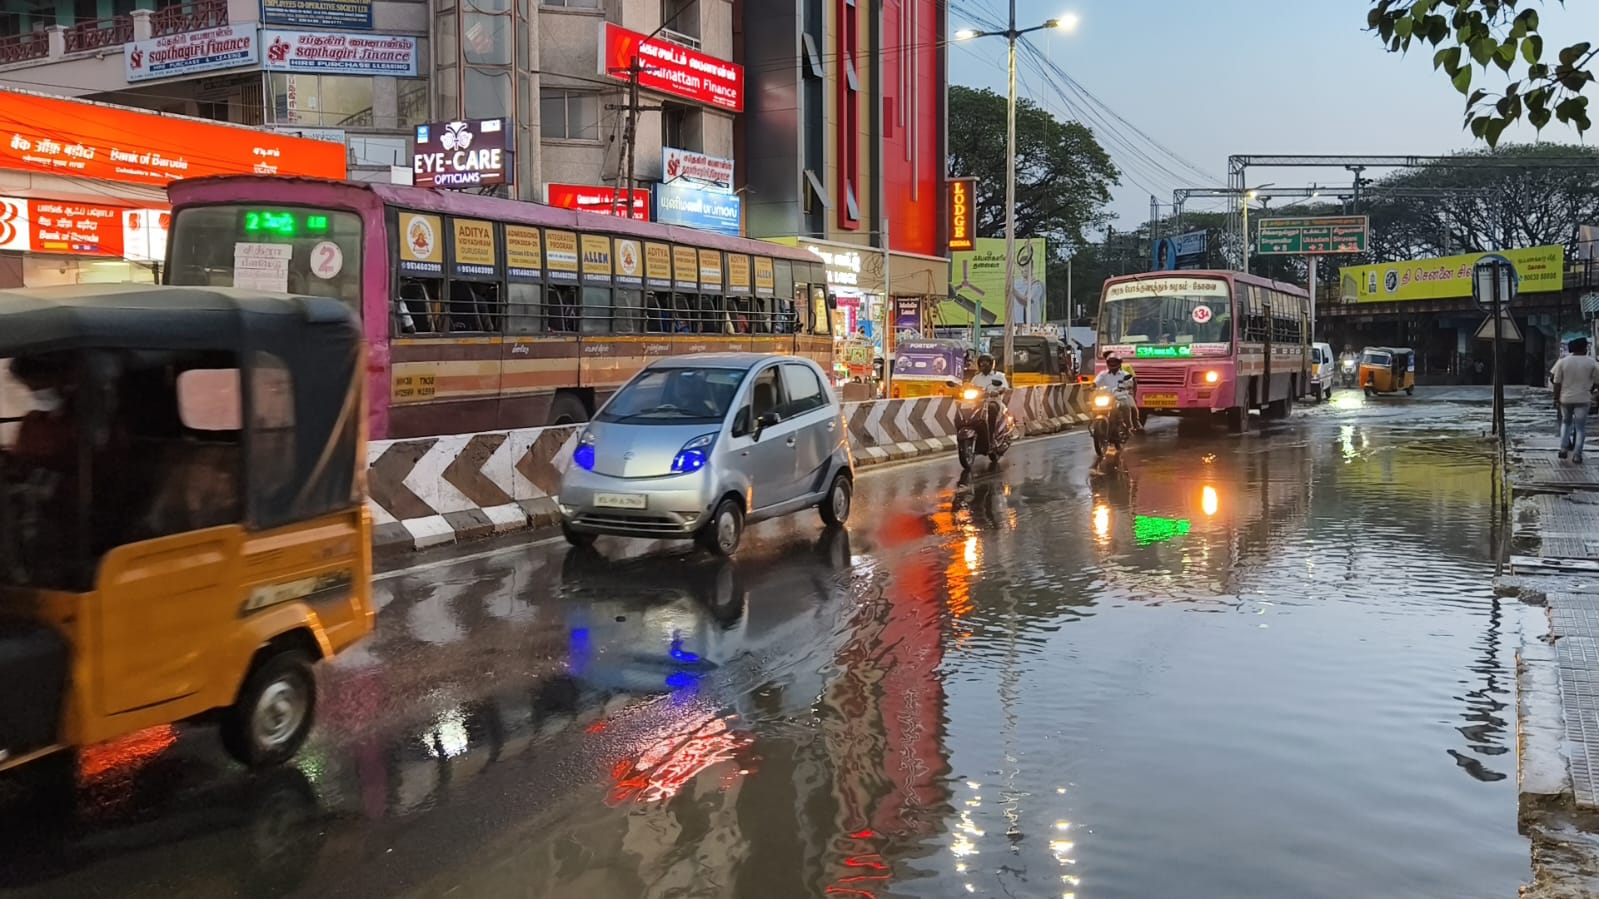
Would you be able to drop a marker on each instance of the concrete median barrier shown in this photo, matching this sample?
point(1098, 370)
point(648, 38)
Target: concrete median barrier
point(432, 491)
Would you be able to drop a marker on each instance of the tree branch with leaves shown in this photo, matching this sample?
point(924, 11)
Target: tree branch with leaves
point(1505, 34)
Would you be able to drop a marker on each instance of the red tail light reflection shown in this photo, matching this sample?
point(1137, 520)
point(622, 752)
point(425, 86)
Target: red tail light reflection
point(663, 769)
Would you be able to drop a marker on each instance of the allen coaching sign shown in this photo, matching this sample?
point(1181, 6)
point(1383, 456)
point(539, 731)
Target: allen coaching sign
point(962, 213)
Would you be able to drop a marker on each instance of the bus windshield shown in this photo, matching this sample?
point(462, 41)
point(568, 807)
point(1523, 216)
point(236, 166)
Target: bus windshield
point(279, 249)
point(1166, 312)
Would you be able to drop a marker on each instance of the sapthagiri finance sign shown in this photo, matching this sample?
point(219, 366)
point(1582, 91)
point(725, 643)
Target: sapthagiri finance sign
point(462, 154)
point(671, 68)
point(962, 215)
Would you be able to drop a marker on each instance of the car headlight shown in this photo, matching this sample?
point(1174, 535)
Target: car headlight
point(1102, 402)
point(583, 455)
point(692, 456)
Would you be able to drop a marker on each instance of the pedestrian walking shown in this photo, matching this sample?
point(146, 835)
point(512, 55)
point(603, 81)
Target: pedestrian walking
point(1575, 377)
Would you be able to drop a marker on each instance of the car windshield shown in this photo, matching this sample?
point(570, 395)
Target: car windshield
point(675, 396)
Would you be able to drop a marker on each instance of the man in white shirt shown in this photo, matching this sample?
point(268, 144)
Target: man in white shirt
point(1119, 381)
point(994, 386)
point(1575, 378)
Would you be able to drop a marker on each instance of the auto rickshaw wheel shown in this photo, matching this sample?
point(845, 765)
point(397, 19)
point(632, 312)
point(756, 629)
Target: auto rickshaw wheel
point(272, 716)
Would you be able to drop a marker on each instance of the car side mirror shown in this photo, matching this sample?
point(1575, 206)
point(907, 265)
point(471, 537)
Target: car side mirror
point(741, 423)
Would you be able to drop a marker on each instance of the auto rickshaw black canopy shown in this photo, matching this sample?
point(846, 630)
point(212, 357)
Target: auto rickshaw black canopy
point(317, 339)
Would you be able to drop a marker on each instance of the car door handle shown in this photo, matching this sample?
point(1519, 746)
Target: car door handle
point(789, 441)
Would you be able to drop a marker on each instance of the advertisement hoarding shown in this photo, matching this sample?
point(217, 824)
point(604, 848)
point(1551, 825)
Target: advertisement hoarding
point(108, 143)
point(75, 228)
point(462, 154)
point(317, 13)
point(329, 53)
point(686, 167)
point(907, 315)
point(1541, 270)
point(600, 200)
point(671, 68)
point(978, 277)
point(702, 209)
point(227, 47)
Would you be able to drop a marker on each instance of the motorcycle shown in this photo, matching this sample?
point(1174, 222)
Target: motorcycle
point(971, 429)
point(1108, 425)
point(1349, 372)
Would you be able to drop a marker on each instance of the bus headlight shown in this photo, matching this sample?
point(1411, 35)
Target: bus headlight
point(1212, 377)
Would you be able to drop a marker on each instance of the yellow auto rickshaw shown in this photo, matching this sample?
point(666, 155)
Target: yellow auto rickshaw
point(1388, 370)
point(1039, 360)
point(182, 526)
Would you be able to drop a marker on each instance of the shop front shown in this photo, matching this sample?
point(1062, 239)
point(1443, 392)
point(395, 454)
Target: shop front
point(83, 185)
point(855, 278)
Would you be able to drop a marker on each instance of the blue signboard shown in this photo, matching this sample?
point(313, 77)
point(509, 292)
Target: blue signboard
point(695, 208)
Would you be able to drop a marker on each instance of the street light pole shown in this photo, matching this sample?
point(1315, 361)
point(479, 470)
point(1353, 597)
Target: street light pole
point(1010, 199)
point(1012, 34)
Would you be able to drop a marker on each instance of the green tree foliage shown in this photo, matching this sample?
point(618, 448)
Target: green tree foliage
point(1471, 34)
point(1445, 208)
point(1063, 176)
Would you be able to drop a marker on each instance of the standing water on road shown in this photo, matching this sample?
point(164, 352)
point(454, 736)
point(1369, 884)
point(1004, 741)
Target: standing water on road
point(1260, 666)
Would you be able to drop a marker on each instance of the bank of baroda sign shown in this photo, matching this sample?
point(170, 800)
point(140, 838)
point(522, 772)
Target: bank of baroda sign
point(462, 154)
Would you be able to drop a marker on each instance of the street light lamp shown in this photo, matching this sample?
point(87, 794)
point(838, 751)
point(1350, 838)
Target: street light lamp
point(1066, 22)
point(1250, 194)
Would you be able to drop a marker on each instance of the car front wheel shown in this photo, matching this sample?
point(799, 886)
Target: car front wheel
point(723, 532)
point(835, 506)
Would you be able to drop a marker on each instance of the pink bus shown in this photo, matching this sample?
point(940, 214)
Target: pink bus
point(482, 313)
point(1208, 342)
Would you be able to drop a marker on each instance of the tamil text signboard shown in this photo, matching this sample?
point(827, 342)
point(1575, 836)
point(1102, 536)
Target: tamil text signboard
point(109, 143)
point(686, 167)
point(1320, 236)
point(190, 52)
point(1538, 270)
point(962, 213)
point(462, 154)
point(671, 68)
point(702, 209)
point(75, 228)
point(317, 13)
point(329, 53)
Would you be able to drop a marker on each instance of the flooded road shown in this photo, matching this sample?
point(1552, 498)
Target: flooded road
point(1260, 666)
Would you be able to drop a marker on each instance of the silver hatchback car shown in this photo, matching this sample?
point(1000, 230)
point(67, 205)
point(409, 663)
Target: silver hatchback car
point(697, 447)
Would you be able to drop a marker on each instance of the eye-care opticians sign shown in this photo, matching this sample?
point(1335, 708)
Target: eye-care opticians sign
point(339, 54)
point(671, 69)
point(462, 154)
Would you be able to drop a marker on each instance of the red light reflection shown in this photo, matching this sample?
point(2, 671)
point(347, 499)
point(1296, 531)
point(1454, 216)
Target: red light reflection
point(664, 768)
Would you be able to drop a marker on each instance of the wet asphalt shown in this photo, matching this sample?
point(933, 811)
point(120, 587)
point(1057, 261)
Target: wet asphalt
point(1266, 665)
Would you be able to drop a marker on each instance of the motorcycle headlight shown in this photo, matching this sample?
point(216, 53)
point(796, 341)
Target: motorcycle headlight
point(971, 394)
point(1102, 402)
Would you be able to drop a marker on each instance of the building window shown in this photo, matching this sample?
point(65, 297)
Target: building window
point(572, 4)
point(682, 127)
point(569, 115)
point(325, 101)
point(681, 21)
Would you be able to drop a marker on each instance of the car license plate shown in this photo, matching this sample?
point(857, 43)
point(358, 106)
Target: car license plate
point(1158, 400)
point(619, 500)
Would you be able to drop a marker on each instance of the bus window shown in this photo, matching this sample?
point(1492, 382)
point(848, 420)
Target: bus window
point(324, 255)
point(657, 313)
point(820, 316)
point(560, 310)
point(627, 316)
point(596, 310)
point(712, 319)
point(415, 306)
point(522, 312)
point(474, 307)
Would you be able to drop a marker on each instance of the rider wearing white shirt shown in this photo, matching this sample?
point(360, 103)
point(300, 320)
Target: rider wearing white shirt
point(1119, 381)
point(994, 386)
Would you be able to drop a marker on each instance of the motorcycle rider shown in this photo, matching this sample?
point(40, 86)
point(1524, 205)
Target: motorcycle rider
point(1119, 381)
point(996, 390)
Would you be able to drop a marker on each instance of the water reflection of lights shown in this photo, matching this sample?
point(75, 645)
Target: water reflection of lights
point(1102, 522)
point(130, 752)
point(449, 737)
point(663, 769)
point(971, 553)
point(1208, 500)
